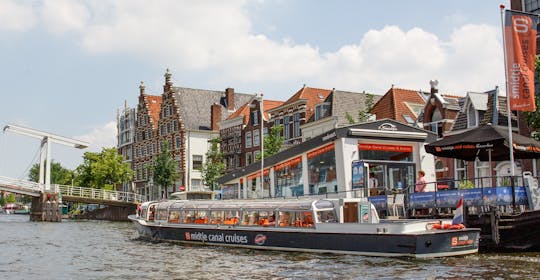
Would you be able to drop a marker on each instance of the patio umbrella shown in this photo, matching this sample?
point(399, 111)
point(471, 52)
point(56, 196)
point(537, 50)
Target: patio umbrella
point(487, 143)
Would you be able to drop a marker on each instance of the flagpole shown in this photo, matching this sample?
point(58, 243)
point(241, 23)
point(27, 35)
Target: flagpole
point(262, 146)
point(508, 112)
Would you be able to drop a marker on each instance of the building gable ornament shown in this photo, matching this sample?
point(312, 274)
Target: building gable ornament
point(387, 127)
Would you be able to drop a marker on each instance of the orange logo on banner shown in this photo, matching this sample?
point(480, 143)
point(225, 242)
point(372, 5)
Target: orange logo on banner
point(385, 148)
point(520, 48)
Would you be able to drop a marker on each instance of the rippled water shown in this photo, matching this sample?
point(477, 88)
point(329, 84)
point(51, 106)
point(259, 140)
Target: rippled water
point(112, 250)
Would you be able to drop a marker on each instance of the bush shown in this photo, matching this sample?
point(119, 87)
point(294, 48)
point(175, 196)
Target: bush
point(463, 185)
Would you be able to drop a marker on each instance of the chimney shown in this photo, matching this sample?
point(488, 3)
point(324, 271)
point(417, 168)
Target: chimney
point(168, 84)
point(434, 86)
point(141, 88)
point(215, 116)
point(229, 95)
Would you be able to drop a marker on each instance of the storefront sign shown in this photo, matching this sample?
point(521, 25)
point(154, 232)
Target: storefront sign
point(385, 148)
point(320, 151)
point(387, 127)
point(258, 174)
point(288, 163)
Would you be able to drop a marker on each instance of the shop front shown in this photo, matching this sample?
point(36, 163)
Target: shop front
point(385, 160)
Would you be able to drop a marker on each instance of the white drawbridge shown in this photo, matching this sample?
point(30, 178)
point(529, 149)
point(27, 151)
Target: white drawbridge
point(45, 150)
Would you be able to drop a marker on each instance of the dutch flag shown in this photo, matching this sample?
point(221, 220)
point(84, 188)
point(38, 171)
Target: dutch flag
point(458, 217)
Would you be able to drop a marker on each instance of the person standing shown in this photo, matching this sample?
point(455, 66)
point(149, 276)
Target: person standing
point(421, 182)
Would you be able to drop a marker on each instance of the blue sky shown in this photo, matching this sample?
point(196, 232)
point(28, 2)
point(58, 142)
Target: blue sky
point(68, 65)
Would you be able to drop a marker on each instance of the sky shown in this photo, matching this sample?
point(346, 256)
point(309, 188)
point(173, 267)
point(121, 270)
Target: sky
point(67, 66)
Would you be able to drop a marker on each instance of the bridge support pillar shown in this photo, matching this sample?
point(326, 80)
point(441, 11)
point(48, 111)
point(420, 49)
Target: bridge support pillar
point(46, 208)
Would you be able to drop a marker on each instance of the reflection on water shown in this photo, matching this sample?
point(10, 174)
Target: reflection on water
point(112, 250)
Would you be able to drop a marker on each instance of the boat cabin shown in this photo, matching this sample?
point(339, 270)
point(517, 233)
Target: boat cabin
point(265, 213)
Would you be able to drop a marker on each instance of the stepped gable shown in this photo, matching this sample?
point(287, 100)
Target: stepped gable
point(195, 104)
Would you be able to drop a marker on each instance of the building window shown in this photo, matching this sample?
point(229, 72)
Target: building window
point(197, 162)
point(460, 170)
point(175, 125)
point(288, 178)
point(248, 139)
point(286, 133)
point(168, 128)
point(256, 138)
point(178, 142)
point(249, 158)
point(322, 170)
point(472, 116)
point(322, 110)
point(296, 125)
point(254, 118)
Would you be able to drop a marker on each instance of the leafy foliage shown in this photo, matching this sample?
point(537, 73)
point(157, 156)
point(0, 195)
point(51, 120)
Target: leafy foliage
point(214, 166)
point(164, 170)
point(101, 170)
point(59, 174)
point(272, 142)
point(363, 115)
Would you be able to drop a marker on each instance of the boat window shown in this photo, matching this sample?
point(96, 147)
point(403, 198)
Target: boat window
point(151, 212)
point(321, 204)
point(267, 218)
point(143, 212)
point(231, 217)
point(188, 216)
point(161, 214)
point(251, 218)
point(216, 217)
point(174, 216)
point(326, 216)
point(295, 219)
point(201, 217)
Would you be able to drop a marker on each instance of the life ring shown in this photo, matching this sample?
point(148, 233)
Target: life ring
point(445, 226)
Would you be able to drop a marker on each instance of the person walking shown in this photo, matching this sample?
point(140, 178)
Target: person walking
point(421, 182)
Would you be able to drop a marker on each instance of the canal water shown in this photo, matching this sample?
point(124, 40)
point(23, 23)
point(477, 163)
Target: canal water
point(112, 250)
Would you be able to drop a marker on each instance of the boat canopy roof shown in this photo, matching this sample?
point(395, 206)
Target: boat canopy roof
point(248, 204)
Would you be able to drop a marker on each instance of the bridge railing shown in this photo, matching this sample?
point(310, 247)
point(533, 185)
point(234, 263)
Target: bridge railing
point(20, 183)
point(100, 194)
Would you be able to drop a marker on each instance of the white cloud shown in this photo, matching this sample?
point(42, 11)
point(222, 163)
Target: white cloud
point(100, 137)
point(16, 15)
point(215, 38)
point(64, 15)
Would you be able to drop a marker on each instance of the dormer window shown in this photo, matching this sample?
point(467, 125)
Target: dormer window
point(322, 110)
point(472, 116)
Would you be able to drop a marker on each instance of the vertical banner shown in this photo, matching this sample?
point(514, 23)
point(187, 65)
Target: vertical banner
point(520, 47)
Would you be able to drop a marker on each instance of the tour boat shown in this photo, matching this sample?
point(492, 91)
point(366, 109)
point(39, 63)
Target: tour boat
point(345, 226)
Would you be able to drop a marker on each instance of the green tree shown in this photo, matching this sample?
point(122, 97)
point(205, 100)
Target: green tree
point(272, 142)
point(164, 170)
point(10, 198)
point(533, 118)
point(214, 166)
point(59, 174)
point(103, 170)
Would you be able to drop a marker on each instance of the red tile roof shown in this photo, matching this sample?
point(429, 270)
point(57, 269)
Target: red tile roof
point(269, 105)
point(244, 109)
point(313, 96)
point(392, 104)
